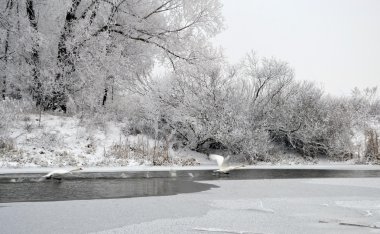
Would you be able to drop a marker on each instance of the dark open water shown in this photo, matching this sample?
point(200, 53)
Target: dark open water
point(95, 185)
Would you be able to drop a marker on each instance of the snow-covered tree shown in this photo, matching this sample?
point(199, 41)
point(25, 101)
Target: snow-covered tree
point(80, 47)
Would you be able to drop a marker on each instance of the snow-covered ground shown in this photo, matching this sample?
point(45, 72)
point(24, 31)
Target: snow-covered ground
point(64, 141)
point(247, 206)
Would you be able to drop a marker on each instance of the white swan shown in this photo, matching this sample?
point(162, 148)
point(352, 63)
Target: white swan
point(223, 163)
point(56, 174)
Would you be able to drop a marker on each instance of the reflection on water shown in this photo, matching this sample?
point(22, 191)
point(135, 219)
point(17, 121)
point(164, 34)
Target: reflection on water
point(96, 185)
point(84, 189)
point(300, 173)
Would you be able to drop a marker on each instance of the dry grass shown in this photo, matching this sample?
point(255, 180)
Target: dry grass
point(6, 144)
point(12, 110)
point(145, 151)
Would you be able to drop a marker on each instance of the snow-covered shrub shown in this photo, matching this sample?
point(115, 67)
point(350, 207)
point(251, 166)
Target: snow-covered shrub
point(213, 108)
point(64, 159)
point(48, 139)
point(28, 126)
point(364, 106)
point(313, 124)
point(144, 150)
point(93, 121)
point(372, 147)
point(6, 144)
point(20, 158)
point(12, 110)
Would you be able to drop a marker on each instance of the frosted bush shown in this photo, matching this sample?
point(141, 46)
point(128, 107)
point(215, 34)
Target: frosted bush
point(11, 111)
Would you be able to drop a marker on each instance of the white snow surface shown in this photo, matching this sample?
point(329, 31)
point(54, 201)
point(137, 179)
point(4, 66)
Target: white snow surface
point(64, 142)
point(349, 206)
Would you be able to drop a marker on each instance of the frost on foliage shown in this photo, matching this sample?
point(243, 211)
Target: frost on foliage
point(79, 85)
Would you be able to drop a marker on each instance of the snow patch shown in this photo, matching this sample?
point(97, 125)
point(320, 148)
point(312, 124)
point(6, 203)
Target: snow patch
point(62, 141)
point(218, 230)
point(250, 205)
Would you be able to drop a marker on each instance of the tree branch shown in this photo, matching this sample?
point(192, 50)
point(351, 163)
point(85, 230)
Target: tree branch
point(84, 13)
point(157, 10)
point(150, 42)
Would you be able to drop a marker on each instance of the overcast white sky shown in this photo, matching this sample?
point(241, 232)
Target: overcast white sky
point(333, 42)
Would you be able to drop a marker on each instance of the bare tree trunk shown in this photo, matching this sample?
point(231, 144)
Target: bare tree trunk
point(65, 57)
point(35, 57)
point(10, 5)
point(4, 76)
point(66, 61)
point(105, 96)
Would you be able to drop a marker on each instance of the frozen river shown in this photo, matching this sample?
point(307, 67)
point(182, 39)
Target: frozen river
point(216, 205)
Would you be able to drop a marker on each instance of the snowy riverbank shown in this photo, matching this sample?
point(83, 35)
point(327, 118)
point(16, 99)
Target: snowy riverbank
point(68, 141)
